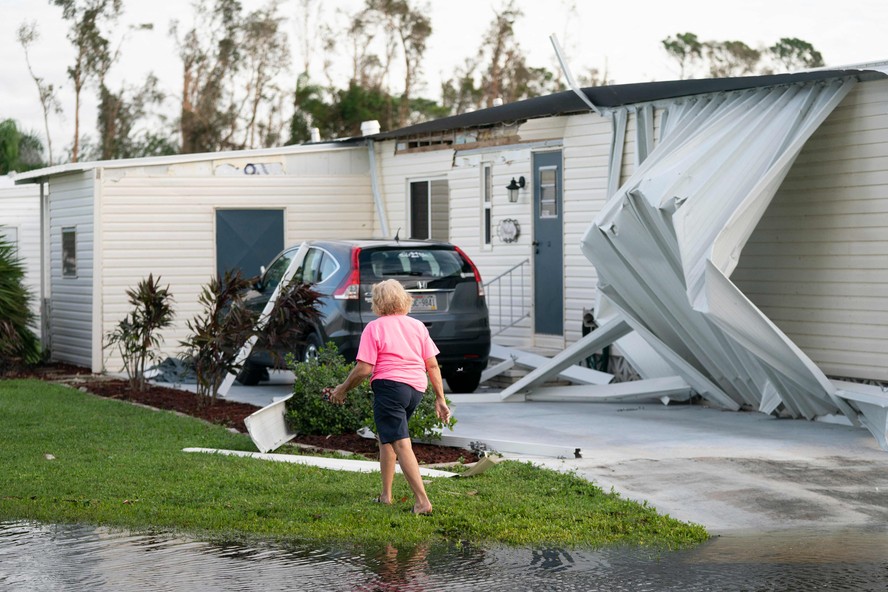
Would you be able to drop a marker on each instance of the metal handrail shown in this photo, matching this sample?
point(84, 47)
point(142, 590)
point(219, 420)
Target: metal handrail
point(498, 284)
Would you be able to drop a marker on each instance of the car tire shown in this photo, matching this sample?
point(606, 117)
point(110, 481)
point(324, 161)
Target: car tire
point(464, 382)
point(250, 374)
point(312, 344)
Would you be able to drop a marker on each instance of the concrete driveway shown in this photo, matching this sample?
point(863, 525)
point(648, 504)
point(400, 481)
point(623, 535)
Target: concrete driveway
point(729, 471)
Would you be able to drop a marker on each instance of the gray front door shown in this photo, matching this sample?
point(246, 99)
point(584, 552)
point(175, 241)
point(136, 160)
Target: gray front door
point(548, 262)
point(247, 239)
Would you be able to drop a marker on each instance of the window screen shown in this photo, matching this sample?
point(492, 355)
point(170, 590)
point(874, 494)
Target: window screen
point(548, 192)
point(69, 252)
point(430, 210)
point(419, 209)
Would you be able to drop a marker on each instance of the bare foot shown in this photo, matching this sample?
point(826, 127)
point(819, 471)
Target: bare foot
point(422, 510)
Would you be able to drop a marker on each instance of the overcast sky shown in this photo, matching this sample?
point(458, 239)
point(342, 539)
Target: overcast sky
point(619, 38)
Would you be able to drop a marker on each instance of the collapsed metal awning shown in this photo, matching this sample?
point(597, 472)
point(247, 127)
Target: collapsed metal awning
point(667, 241)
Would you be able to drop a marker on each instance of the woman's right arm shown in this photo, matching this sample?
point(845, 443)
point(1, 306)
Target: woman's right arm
point(434, 372)
point(361, 371)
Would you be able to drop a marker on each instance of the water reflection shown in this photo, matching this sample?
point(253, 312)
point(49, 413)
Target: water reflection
point(78, 558)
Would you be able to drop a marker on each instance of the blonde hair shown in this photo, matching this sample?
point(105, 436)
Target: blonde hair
point(390, 297)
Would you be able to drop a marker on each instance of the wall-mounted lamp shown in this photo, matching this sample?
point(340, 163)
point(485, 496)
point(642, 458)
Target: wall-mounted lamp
point(513, 187)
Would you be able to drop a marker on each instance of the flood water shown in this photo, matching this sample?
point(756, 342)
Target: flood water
point(37, 557)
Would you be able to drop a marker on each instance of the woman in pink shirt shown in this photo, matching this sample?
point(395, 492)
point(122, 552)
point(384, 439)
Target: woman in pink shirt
point(398, 354)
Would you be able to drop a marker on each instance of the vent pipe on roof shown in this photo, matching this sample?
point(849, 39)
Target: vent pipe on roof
point(315, 135)
point(369, 128)
point(498, 102)
point(570, 81)
point(377, 194)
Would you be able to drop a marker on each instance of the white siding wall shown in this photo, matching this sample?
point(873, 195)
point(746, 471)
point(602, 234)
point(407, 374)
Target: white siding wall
point(587, 143)
point(71, 206)
point(166, 226)
point(20, 210)
point(817, 265)
point(395, 173)
point(467, 230)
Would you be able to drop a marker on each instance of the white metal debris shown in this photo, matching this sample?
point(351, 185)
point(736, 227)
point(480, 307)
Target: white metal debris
point(482, 444)
point(666, 243)
point(244, 353)
point(672, 388)
point(335, 464)
point(564, 364)
point(570, 372)
point(268, 426)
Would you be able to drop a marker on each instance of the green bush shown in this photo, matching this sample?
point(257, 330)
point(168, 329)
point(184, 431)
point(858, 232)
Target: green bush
point(137, 335)
point(308, 413)
point(218, 333)
point(18, 344)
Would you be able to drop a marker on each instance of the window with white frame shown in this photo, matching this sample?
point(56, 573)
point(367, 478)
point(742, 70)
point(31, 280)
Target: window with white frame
point(487, 203)
point(430, 210)
point(9, 235)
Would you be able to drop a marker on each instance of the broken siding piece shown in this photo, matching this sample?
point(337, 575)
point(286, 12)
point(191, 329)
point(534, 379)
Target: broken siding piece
point(334, 464)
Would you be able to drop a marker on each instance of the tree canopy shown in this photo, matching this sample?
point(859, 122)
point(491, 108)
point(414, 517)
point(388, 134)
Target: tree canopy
point(721, 59)
point(237, 88)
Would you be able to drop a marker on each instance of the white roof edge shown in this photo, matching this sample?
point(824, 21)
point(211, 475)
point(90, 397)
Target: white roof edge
point(878, 65)
point(71, 167)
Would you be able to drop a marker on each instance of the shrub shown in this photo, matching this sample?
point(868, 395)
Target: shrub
point(18, 344)
point(308, 413)
point(218, 333)
point(136, 335)
point(295, 310)
point(226, 324)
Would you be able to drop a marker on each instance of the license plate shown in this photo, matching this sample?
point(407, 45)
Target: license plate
point(425, 303)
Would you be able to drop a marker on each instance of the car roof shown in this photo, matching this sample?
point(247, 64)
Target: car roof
point(380, 242)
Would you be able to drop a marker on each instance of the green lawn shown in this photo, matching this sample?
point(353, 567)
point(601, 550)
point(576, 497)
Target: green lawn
point(68, 456)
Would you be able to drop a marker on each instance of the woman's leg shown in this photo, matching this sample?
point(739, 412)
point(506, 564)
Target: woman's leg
point(387, 458)
point(410, 468)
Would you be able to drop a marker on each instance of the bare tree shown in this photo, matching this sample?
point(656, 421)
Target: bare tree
point(27, 35)
point(731, 58)
point(686, 49)
point(735, 58)
point(87, 18)
point(230, 63)
point(795, 54)
point(209, 54)
point(265, 54)
point(411, 29)
point(309, 12)
point(499, 70)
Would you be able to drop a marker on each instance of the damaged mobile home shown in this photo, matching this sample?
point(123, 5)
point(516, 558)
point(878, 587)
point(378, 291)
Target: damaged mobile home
point(728, 235)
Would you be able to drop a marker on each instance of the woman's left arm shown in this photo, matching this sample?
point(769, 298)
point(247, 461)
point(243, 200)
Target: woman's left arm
point(434, 372)
point(361, 371)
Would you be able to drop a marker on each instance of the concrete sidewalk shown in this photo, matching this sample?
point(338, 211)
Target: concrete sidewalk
point(729, 471)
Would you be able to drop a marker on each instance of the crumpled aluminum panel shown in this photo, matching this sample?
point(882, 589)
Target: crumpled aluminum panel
point(666, 243)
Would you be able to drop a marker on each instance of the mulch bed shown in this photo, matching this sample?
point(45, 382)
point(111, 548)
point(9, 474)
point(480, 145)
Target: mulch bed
point(222, 412)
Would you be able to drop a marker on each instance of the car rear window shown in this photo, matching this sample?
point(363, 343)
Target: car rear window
point(383, 264)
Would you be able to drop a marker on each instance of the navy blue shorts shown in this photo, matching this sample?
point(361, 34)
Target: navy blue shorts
point(393, 404)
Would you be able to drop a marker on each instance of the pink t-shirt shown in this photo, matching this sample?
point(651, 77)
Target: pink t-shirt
point(397, 347)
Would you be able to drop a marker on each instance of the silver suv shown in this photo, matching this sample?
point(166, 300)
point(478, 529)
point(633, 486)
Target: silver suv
point(446, 286)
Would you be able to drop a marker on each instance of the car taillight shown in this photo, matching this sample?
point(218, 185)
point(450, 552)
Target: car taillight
point(474, 270)
point(351, 287)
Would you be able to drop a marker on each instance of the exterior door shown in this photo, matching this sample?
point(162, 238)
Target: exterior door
point(548, 243)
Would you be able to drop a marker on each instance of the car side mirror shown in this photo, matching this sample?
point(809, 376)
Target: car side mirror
point(258, 283)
